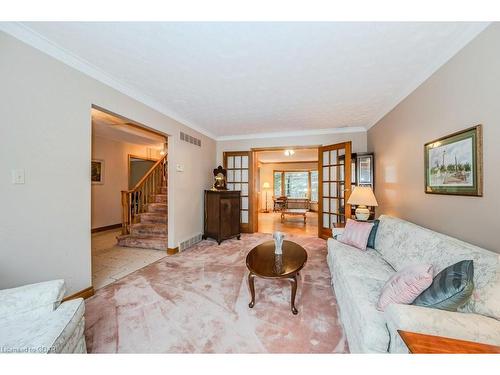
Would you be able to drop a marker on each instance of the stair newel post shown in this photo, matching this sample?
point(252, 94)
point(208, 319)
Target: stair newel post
point(125, 209)
point(131, 208)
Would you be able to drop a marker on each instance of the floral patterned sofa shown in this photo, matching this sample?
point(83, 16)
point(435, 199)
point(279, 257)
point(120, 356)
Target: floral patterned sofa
point(33, 320)
point(358, 277)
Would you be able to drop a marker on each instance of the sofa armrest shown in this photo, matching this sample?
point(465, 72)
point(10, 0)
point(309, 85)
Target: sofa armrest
point(55, 332)
point(43, 297)
point(456, 325)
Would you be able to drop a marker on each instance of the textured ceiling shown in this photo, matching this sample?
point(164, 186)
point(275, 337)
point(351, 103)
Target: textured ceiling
point(108, 126)
point(246, 78)
point(308, 154)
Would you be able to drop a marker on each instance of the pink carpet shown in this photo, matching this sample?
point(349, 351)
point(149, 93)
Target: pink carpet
point(197, 302)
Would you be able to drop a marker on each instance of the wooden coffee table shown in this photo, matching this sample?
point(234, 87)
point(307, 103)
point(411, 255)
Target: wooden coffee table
point(263, 262)
point(294, 212)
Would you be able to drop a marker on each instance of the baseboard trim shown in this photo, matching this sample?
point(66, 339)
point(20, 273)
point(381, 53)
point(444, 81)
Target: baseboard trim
point(107, 227)
point(172, 250)
point(85, 293)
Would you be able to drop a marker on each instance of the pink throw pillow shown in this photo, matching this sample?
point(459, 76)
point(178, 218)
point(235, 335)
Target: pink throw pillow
point(406, 285)
point(356, 233)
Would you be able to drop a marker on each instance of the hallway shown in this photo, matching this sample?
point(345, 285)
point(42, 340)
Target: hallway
point(111, 262)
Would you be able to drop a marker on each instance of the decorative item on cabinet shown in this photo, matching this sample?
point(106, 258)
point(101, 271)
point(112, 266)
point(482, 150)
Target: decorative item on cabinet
point(220, 176)
point(222, 214)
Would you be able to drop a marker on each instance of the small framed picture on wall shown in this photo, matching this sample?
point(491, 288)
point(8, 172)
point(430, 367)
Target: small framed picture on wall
point(454, 163)
point(97, 171)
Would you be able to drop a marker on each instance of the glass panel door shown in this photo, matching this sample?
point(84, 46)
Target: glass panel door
point(239, 168)
point(334, 183)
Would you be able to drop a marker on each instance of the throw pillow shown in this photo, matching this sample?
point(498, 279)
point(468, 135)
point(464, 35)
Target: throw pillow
point(450, 289)
point(356, 233)
point(373, 234)
point(406, 285)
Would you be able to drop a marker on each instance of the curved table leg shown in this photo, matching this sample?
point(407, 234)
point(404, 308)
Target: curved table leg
point(251, 284)
point(293, 281)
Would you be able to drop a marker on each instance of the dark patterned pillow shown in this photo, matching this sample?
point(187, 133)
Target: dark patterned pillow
point(373, 234)
point(450, 289)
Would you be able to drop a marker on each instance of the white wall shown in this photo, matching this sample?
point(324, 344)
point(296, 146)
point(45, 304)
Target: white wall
point(358, 142)
point(46, 130)
point(463, 93)
point(106, 198)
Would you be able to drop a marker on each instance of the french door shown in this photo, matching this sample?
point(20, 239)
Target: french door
point(334, 180)
point(239, 166)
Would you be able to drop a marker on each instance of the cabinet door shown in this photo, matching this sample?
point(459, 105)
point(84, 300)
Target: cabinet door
point(226, 217)
point(235, 216)
point(211, 214)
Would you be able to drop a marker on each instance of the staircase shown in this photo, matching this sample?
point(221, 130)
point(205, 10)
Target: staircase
point(144, 208)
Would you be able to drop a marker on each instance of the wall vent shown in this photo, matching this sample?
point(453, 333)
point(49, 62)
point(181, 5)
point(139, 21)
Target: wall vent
point(190, 242)
point(189, 139)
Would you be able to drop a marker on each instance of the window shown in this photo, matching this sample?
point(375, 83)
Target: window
point(296, 184)
point(277, 184)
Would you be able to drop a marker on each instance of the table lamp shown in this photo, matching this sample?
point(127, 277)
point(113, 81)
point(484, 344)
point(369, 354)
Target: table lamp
point(265, 186)
point(362, 196)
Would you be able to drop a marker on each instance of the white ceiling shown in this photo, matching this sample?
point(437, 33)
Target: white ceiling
point(309, 154)
point(111, 127)
point(233, 79)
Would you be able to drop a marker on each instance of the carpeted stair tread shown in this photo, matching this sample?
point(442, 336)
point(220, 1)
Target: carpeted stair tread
point(148, 229)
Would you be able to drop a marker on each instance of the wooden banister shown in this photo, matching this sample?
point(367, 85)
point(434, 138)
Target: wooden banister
point(135, 200)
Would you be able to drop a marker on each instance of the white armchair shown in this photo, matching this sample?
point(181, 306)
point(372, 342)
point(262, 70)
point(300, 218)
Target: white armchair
point(33, 320)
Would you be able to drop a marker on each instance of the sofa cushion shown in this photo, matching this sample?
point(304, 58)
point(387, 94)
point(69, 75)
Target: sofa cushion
point(368, 332)
point(406, 285)
point(450, 289)
point(368, 263)
point(356, 234)
point(402, 243)
point(373, 234)
point(358, 277)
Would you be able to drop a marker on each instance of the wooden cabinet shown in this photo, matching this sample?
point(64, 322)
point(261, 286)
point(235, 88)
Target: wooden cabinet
point(222, 214)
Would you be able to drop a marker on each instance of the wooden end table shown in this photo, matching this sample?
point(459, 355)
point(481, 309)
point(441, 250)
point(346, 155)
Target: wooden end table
point(419, 343)
point(264, 263)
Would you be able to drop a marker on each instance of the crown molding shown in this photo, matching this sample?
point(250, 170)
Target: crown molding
point(35, 40)
point(297, 133)
point(472, 31)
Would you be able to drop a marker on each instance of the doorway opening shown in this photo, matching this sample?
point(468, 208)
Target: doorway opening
point(286, 183)
point(128, 196)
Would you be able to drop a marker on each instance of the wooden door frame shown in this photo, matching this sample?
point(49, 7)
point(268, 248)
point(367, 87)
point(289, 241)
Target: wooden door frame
point(255, 188)
point(249, 227)
point(133, 124)
point(347, 146)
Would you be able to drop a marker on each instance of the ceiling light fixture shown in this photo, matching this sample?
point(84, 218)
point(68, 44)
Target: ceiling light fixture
point(289, 152)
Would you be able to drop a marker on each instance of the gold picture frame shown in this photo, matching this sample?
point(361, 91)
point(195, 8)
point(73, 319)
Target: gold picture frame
point(454, 163)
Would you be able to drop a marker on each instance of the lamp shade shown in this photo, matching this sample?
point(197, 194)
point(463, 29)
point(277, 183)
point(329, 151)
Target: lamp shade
point(362, 196)
point(266, 185)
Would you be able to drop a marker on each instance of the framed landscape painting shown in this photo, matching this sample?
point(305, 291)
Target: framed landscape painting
point(97, 172)
point(454, 164)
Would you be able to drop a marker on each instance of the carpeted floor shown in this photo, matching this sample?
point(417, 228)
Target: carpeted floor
point(197, 302)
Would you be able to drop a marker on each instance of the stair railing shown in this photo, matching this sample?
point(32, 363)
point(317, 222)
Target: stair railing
point(135, 200)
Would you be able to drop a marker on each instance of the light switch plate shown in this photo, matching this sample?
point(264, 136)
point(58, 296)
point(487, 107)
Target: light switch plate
point(18, 176)
point(179, 168)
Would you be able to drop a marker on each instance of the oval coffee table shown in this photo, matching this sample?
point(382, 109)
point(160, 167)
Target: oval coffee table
point(263, 262)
